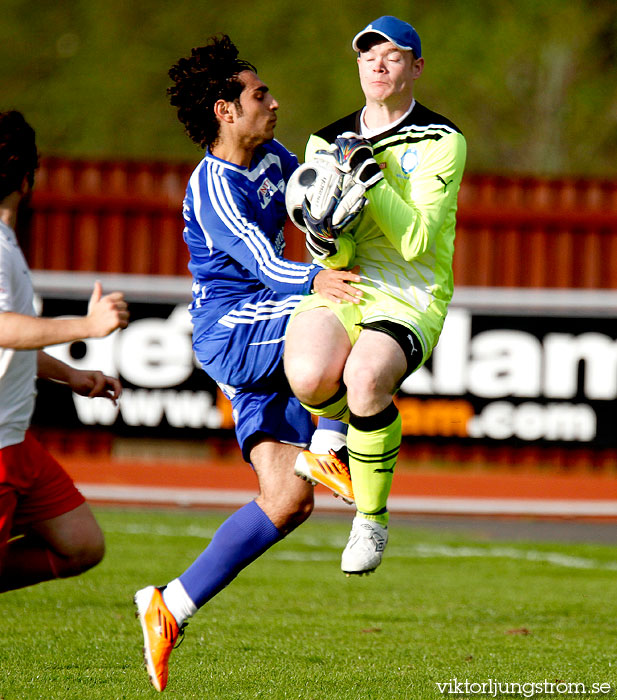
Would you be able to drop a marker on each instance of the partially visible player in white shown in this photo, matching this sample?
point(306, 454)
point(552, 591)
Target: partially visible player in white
point(47, 530)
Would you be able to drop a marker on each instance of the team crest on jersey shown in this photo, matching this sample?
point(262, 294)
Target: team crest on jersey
point(410, 160)
point(265, 192)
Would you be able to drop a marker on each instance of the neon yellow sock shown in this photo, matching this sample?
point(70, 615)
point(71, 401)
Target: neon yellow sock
point(334, 408)
point(373, 443)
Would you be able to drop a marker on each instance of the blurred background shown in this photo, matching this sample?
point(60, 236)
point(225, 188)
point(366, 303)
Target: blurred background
point(531, 84)
point(525, 377)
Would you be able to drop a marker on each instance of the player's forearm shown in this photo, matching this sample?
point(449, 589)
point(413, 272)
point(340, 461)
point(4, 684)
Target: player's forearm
point(282, 275)
point(255, 253)
point(49, 367)
point(21, 332)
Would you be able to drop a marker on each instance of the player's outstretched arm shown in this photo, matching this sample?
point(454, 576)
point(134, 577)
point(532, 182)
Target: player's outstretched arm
point(334, 285)
point(105, 314)
point(90, 383)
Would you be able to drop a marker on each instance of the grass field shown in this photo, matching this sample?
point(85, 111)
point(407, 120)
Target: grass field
point(442, 606)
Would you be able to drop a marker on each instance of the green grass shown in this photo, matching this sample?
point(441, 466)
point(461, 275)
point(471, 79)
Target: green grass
point(292, 626)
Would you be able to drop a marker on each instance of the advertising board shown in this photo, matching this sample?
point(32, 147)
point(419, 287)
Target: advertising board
point(512, 366)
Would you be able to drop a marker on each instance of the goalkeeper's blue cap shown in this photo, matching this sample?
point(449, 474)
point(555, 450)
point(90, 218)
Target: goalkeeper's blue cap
point(400, 33)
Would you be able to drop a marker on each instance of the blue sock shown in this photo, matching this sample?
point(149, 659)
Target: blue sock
point(329, 424)
point(242, 538)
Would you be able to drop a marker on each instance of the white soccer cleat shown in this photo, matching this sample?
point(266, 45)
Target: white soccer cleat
point(365, 547)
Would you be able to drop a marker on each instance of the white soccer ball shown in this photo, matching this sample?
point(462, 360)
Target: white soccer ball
point(330, 194)
point(299, 187)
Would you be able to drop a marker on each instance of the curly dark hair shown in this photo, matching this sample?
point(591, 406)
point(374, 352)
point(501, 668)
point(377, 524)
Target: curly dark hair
point(18, 155)
point(209, 74)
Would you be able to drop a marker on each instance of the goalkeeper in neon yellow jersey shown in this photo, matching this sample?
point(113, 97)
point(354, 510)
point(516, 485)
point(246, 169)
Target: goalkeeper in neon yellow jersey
point(400, 166)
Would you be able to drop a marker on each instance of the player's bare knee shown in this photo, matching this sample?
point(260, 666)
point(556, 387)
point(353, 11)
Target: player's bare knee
point(289, 505)
point(296, 497)
point(302, 379)
point(94, 554)
point(313, 387)
point(304, 507)
point(77, 562)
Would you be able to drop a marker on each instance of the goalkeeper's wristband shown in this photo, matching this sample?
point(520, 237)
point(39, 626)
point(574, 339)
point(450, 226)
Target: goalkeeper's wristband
point(320, 235)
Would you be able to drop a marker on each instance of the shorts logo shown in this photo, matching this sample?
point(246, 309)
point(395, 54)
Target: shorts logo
point(410, 160)
point(266, 192)
point(411, 339)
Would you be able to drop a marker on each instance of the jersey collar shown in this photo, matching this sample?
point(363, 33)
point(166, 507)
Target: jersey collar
point(370, 133)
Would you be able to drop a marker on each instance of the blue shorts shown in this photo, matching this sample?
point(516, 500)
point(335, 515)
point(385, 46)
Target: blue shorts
point(243, 353)
point(271, 410)
point(245, 346)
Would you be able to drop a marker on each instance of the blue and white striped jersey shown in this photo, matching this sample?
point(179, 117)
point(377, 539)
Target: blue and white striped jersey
point(234, 218)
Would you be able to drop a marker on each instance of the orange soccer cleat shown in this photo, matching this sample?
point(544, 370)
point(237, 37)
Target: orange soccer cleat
point(328, 470)
point(161, 632)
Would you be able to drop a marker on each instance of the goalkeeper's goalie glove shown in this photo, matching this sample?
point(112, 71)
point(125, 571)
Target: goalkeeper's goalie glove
point(329, 206)
point(349, 150)
point(321, 235)
point(354, 156)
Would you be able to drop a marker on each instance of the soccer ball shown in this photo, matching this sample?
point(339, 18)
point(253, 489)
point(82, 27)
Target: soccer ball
point(299, 187)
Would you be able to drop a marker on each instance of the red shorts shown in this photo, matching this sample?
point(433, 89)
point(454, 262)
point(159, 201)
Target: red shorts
point(33, 487)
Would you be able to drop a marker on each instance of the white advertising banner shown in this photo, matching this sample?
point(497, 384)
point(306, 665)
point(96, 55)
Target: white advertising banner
point(512, 365)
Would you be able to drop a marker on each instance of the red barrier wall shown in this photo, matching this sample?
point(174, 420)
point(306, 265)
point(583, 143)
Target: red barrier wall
point(531, 232)
point(125, 217)
point(522, 232)
point(122, 217)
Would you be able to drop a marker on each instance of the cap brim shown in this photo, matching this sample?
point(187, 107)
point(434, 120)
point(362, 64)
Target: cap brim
point(359, 35)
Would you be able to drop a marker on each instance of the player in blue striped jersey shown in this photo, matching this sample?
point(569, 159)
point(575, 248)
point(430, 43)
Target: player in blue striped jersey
point(244, 291)
point(234, 219)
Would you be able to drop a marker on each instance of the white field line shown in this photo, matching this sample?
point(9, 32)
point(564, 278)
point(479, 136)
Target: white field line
point(328, 549)
point(156, 495)
point(429, 551)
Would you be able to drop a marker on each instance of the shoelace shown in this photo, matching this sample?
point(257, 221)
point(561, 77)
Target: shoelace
point(340, 462)
point(341, 454)
point(180, 634)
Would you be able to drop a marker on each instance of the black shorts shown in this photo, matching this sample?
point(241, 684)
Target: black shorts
point(406, 338)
